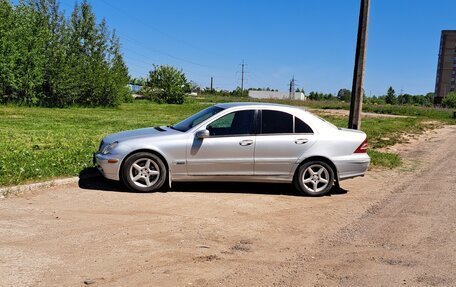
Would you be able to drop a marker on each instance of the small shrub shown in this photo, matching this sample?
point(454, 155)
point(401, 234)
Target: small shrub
point(450, 100)
point(166, 85)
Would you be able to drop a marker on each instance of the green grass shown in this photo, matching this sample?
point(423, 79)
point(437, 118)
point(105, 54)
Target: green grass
point(385, 159)
point(41, 143)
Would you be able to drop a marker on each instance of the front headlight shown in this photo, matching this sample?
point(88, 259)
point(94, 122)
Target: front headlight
point(107, 149)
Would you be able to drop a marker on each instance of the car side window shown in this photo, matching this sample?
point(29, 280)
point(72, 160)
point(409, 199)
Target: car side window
point(276, 122)
point(236, 123)
point(301, 127)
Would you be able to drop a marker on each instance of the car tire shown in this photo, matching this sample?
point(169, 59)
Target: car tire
point(144, 172)
point(314, 178)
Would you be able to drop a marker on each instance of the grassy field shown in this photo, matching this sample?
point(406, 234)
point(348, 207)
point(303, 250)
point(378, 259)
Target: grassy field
point(41, 143)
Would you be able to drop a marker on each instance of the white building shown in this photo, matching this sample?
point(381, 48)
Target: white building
point(276, 95)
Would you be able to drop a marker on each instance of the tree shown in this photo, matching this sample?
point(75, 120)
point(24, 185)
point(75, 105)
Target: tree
point(238, 92)
point(450, 100)
point(48, 60)
point(166, 84)
point(344, 95)
point(317, 96)
point(8, 50)
point(390, 96)
point(374, 100)
point(138, 81)
point(429, 99)
point(194, 87)
point(405, 99)
point(29, 38)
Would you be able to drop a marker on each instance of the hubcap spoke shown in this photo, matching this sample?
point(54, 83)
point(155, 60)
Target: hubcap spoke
point(137, 167)
point(322, 180)
point(153, 172)
point(147, 165)
point(315, 185)
point(307, 180)
point(138, 176)
point(147, 179)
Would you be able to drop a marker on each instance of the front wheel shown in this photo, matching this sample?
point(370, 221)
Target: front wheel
point(144, 172)
point(314, 178)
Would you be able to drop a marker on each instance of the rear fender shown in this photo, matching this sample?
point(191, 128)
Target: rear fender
point(319, 158)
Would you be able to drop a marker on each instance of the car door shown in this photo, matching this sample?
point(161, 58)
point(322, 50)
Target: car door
point(229, 148)
point(282, 139)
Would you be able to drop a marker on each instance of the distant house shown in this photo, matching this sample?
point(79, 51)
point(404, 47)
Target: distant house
point(277, 95)
point(134, 88)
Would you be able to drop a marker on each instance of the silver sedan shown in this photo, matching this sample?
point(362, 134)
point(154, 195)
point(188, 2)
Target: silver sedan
point(241, 142)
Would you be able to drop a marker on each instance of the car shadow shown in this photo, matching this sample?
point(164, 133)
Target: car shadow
point(90, 178)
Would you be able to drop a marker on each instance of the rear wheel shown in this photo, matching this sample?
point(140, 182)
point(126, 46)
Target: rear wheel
point(314, 178)
point(144, 172)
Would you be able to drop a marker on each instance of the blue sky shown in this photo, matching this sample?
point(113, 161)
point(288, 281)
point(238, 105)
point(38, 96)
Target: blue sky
point(312, 40)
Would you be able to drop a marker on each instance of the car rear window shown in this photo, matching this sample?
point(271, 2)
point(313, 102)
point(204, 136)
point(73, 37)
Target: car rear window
point(301, 127)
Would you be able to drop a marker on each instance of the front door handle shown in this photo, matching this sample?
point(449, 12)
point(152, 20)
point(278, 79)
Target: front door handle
point(301, 141)
point(246, 142)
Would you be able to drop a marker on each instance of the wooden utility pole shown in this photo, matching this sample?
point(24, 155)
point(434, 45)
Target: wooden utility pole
point(292, 89)
point(356, 105)
point(212, 84)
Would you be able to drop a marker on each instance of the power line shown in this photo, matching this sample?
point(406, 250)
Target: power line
point(260, 83)
point(242, 80)
point(164, 53)
point(121, 12)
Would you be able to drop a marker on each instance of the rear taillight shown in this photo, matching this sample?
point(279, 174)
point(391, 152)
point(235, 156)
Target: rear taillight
point(362, 147)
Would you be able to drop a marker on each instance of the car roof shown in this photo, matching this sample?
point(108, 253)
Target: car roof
point(316, 121)
point(255, 104)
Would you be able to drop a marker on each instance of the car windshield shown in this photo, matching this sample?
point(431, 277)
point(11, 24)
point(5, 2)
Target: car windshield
point(196, 119)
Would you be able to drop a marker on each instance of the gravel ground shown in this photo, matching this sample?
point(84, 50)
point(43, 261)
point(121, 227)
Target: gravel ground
point(389, 228)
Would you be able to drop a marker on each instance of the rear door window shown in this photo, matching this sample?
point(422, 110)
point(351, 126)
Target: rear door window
point(276, 122)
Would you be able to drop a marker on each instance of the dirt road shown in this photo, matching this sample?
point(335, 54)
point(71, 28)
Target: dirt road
point(389, 228)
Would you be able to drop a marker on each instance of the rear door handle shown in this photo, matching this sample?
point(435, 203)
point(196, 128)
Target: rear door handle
point(301, 141)
point(246, 142)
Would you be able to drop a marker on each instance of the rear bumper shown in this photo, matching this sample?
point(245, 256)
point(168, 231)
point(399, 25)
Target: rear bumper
point(352, 165)
point(107, 166)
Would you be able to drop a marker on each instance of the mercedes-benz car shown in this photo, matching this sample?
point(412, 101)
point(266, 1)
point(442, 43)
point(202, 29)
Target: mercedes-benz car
point(240, 142)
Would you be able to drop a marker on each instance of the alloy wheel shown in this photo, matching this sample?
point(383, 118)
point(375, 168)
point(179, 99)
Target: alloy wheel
point(315, 178)
point(144, 172)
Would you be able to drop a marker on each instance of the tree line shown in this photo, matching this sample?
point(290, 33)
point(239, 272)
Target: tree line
point(49, 60)
point(389, 98)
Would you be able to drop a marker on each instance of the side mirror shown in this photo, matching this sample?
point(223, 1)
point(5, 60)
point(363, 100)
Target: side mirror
point(202, 134)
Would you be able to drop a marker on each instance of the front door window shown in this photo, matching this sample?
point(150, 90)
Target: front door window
point(233, 124)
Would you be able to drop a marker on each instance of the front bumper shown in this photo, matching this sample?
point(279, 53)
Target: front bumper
point(108, 165)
